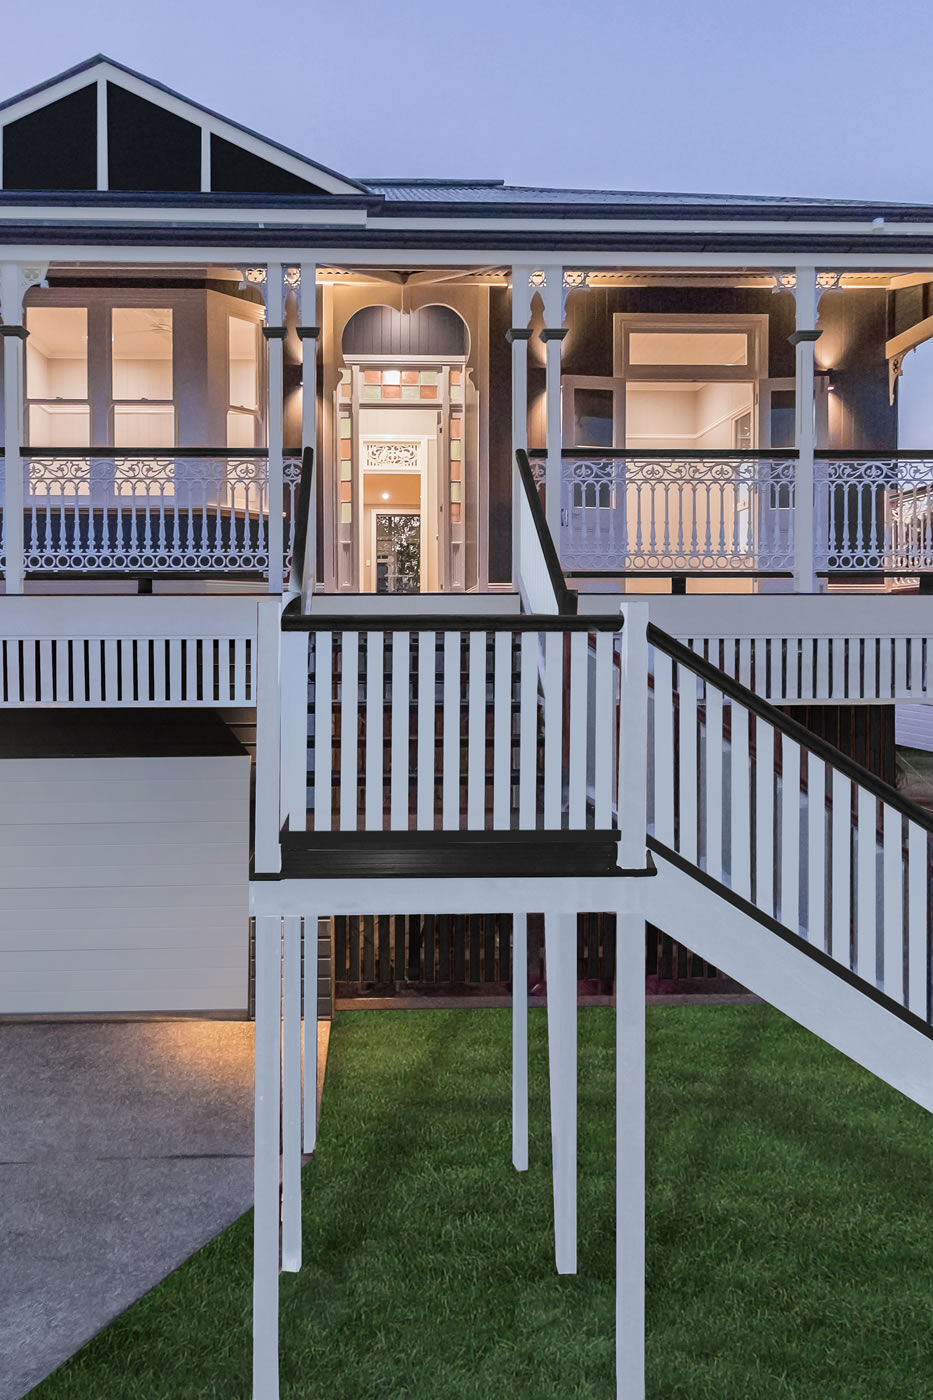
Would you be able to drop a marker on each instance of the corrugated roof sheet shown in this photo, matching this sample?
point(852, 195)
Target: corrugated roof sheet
point(495, 192)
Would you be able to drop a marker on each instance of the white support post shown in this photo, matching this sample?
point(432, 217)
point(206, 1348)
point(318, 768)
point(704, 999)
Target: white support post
point(293, 799)
point(309, 1031)
point(309, 332)
point(268, 850)
point(633, 738)
point(15, 280)
point(291, 1095)
point(274, 331)
point(804, 338)
point(560, 940)
point(518, 337)
point(266, 1168)
point(552, 335)
point(103, 135)
point(520, 1042)
point(630, 1158)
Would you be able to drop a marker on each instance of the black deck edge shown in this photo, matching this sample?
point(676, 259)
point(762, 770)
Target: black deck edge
point(301, 513)
point(294, 620)
point(683, 655)
point(564, 597)
point(795, 940)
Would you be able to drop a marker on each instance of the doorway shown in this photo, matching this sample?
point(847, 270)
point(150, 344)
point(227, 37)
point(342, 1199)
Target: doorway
point(399, 526)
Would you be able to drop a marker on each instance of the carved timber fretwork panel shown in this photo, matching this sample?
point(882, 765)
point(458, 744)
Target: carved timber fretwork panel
point(381, 456)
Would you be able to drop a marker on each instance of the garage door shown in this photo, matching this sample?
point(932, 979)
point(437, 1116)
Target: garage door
point(123, 877)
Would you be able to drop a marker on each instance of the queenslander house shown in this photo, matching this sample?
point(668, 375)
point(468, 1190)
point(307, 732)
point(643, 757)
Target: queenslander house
point(462, 548)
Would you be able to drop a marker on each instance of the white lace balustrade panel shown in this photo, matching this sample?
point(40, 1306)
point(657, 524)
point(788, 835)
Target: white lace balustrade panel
point(874, 514)
point(715, 514)
point(403, 456)
point(291, 477)
point(166, 514)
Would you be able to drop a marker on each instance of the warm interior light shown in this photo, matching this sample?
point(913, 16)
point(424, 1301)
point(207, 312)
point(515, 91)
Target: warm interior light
point(385, 495)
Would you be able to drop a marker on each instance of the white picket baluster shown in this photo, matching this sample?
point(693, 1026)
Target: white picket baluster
point(323, 729)
point(528, 733)
point(553, 727)
point(476, 733)
point(400, 716)
point(765, 854)
point(816, 851)
point(602, 736)
point(842, 864)
point(918, 872)
point(866, 882)
point(349, 730)
point(892, 842)
point(789, 885)
point(579, 729)
point(309, 1031)
point(375, 732)
point(740, 803)
point(519, 1041)
point(663, 748)
point(451, 760)
point(713, 782)
point(502, 731)
point(426, 708)
point(687, 756)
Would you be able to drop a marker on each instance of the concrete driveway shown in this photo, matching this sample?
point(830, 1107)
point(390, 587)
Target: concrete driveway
point(124, 1147)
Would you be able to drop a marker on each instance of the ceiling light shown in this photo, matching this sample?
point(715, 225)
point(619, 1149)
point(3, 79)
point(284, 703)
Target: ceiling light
point(385, 495)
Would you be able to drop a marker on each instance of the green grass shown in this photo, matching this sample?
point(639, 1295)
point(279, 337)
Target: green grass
point(790, 1230)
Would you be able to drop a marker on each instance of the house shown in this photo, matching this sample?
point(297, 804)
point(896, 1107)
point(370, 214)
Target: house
point(461, 547)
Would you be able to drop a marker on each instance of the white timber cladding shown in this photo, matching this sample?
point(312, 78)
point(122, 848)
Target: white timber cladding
point(126, 651)
point(123, 884)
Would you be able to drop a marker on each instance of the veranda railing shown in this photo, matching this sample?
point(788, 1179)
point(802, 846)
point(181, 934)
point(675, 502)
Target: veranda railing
point(151, 510)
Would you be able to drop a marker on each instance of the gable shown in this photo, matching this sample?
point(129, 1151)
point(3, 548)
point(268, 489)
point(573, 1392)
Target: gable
point(103, 127)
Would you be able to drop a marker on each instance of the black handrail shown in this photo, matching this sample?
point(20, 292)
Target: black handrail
point(565, 597)
point(294, 620)
point(689, 659)
point(697, 454)
point(302, 509)
point(236, 453)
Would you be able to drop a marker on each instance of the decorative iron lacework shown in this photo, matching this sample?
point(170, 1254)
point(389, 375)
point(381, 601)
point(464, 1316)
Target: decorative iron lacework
point(393, 454)
point(874, 514)
point(717, 513)
point(170, 514)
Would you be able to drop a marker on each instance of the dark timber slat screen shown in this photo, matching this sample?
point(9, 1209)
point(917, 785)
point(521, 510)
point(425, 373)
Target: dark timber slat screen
point(449, 953)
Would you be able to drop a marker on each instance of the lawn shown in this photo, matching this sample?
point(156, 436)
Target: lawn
point(790, 1230)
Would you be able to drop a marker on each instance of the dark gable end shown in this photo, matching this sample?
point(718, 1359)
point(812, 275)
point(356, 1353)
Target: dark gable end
point(148, 147)
point(54, 148)
point(235, 171)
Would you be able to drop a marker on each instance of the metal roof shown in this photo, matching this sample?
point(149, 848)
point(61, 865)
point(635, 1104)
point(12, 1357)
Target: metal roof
point(497, 192)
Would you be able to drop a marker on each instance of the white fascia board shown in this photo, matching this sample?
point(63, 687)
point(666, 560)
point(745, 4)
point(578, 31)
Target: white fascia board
point(453, 894)
point(158, 216)
point(698, 228)
point(393, 257)
point(44, 96)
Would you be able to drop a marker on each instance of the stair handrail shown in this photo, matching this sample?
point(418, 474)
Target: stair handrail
point(802, 736)
point(564, 598)
point(303, 511)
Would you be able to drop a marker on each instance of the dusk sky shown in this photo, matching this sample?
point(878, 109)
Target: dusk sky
point(823, 99)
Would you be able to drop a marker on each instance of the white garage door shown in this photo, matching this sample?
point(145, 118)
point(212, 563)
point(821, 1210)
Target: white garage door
point(124, 883)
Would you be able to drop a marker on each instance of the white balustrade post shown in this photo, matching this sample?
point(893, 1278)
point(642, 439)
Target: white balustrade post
point(308, 334)
point(560, 942)
point(15, 280)
point(633, 738)
point(291, 1094)
point(309, 1031)
point(266, 1158)
point(518, 337)
point(274, 332)
point(552, 294)
point(268, 850)
point(520, 1042)
point(630, 1157)
point(804, 340)
point(293, 798)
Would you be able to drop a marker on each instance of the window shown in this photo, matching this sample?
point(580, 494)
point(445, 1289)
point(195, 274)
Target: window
point(688, 348)
point(592, 411)
point(242, 382)
point(142, 377)
point(57, 408)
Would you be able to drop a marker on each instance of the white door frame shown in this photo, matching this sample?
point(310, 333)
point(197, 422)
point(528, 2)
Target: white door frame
point(429, 560)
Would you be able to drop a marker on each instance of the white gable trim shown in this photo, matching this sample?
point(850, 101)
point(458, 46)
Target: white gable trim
point(209, 123)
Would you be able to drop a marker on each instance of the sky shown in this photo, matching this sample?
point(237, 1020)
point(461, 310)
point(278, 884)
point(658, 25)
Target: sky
point(822, 98)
